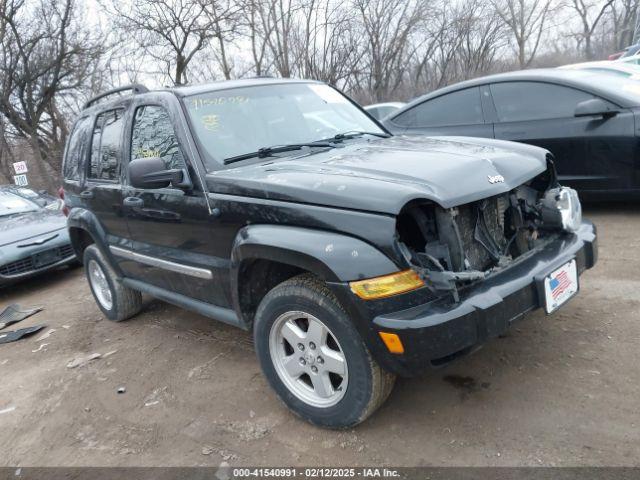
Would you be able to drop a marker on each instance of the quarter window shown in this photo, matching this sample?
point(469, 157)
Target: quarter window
point(458, 108)
point(76, 149)
point(106, 146)
point(521, 101)
point(153, 136)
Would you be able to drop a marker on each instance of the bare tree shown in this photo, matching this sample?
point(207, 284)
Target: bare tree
point(46, 54)
point(278, 18)
point(481, 38)
point(225, 18)
point(6, 153)
point(526, 20)
point(170, 32)
point(437, 49)
point(387, 27)
point(624, 13)
point(257, 32)
point(454, 43)
point(326, 45)
point(589, 21)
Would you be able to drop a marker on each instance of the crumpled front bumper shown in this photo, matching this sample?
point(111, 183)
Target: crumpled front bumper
point(439, 331)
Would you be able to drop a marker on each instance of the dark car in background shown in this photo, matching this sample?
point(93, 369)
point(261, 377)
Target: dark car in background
point(33, 234)
point(631, 50)
point(586, 119)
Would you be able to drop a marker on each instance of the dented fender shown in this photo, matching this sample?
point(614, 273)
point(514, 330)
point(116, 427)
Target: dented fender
point(332, 256)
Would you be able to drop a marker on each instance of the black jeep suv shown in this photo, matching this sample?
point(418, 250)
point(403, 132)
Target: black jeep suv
point(281, 207)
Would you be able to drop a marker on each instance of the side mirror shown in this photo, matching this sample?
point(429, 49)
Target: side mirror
point(150, 172)
point(594, 107)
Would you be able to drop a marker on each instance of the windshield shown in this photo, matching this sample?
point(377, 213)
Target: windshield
point(228, 123)
point(11, 204)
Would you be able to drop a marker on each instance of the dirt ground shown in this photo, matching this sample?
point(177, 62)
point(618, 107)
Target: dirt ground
point(559, 390)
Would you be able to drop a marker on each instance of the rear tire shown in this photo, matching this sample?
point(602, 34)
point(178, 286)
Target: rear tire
point(301, 333)
point(116, 301)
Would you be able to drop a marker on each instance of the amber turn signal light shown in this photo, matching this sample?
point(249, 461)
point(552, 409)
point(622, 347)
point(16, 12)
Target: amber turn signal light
point(387, 285)
point(393, 343)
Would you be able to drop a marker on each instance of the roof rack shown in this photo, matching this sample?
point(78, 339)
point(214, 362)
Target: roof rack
point(135, 89)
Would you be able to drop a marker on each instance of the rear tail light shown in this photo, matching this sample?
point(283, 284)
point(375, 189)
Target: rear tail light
point(65, 209)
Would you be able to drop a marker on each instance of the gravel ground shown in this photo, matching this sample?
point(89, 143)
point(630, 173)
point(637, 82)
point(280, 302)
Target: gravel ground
point(559, 390)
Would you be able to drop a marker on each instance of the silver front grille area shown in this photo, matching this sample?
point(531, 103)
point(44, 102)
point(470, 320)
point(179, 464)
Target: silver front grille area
point(26, 265)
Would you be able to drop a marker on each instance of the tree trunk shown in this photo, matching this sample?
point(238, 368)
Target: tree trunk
point(40, 174)
point(224, 64)
point(588, 51)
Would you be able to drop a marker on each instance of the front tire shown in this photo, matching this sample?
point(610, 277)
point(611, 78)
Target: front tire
point(314, 358)
point(116, 301)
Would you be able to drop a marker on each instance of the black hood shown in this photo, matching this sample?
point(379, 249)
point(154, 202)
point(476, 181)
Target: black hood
point(382, 175)
point(29, 227)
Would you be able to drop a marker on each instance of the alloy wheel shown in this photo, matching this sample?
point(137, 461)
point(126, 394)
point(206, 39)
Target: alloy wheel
point(308, 359)
point(99, 285)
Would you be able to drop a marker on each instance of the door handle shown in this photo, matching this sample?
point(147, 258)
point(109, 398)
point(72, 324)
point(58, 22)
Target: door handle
point(133, 202)
point(86, 194)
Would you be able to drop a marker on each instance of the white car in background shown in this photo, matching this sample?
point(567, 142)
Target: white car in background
point(381, 110)
point(633, 60)
point(621, 67)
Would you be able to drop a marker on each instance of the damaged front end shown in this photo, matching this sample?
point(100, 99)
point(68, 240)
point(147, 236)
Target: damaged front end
point(456, 247)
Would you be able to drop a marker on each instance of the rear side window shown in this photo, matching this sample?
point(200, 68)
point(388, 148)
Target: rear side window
point(521, 101)
point(153, 136)
point(458, 108)
point(76, 149)
point(106, 146)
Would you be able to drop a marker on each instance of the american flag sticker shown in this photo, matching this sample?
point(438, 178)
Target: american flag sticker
point(560, 286)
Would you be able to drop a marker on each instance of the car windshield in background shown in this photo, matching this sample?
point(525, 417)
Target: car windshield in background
point(11, 204)
point(611, 71)
point(234, 122)
point(628, 86)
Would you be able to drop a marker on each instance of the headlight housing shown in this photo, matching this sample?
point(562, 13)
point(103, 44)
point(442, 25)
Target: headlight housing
point(387, 285)
point(561, 206)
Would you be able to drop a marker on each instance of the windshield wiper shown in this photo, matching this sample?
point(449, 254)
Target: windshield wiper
point(269, 151)
point(357, 133)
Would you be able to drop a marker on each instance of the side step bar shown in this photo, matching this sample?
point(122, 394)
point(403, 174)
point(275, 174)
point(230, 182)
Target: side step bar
point(221, 314)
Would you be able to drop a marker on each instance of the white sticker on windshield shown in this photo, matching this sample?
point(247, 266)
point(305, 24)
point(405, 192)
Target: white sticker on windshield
point(328, 94)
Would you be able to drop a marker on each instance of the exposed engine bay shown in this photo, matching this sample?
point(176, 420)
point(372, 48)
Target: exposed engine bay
point(457, 246)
